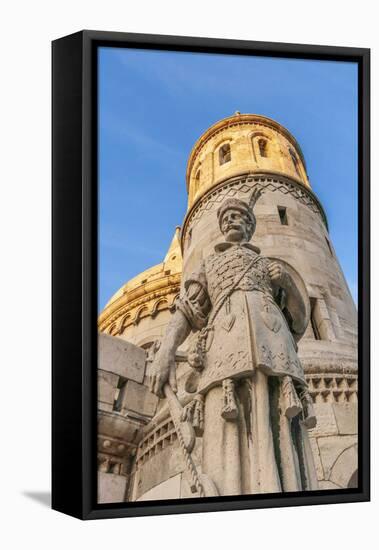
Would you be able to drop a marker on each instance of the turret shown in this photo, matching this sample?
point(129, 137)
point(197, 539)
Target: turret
point(228, 160)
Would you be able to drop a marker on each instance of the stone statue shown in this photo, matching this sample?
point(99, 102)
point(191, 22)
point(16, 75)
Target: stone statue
point(247, 313)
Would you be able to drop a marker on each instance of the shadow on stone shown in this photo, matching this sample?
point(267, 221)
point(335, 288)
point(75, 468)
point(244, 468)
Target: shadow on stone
point(42, 497)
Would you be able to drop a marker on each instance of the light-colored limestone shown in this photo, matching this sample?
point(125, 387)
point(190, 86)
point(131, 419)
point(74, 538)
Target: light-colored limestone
point(246, 361)
point(317, 458)
point(137, 398)
point(144, 297)
point(328, 485)
point(345, 467)
point(107, 387)
point(242, 133)
point(141, 310)
point(164, 490)
point(331, 448)
point(122, 358)
point(346, 415)
point(111, 488)
point(326, 421)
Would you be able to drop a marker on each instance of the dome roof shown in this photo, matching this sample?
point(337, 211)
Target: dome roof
point(145, 290)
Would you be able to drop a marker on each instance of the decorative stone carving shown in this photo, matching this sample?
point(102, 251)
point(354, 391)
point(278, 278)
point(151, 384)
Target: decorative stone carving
point(229, 409)
point(242, 186)
point(194, 413)
point(246, 310)
point(139, 454)
point(146, 295)
point(333, 387)
point(124, 406)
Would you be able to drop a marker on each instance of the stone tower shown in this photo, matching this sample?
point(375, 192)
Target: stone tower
point(230, 158)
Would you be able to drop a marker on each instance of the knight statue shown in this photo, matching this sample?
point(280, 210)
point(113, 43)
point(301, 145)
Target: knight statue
point(246, 313)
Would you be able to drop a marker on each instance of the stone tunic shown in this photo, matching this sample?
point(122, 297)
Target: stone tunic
point(247, 348)
point(245, 331)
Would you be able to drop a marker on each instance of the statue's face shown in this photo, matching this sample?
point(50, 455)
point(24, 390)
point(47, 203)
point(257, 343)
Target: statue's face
point(235, 226)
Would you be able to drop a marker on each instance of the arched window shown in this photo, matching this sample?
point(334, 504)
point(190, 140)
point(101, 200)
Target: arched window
point(224, 154)
point(189, 237)
point(197, 180)
point(295, 162)
point(263, 147)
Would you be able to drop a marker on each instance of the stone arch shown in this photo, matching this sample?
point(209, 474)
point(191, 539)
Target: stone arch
point(159, 305)
point(112, 330)
point(172, 306)
point(256, 140)
point(141, 313)
point(344, 470)
point(197, 180)
point(263, 147)
point(298, 164)
point(224, 154)
point(224, 141)
point(123, 322)
point(147, 341)
point(295, 161)
point(302, 287)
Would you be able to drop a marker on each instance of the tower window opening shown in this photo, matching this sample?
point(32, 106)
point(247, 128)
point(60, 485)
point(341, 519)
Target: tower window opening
point(329, 246)
point(263, 149)
point(314, 319)
point(189, 237)
point(197, 180)
point(225, 154)
point(295, 162)
point(282, 210)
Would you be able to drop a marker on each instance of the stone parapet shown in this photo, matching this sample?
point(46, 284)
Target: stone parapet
point(125, 405)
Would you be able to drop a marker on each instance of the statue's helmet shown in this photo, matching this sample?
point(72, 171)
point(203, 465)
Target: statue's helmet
point(235, 204)
point(244, 207)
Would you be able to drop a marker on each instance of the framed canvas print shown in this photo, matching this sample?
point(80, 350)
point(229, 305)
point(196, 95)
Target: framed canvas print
point(210, 274)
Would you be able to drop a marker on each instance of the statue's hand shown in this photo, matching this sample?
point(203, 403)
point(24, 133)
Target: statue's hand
point(163, 370)
point(276, 272)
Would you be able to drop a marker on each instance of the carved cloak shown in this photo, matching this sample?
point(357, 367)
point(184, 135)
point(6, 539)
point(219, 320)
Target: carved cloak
point(249, 341)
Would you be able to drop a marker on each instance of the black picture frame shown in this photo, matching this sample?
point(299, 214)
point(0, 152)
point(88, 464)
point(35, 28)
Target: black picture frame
point(74, 272)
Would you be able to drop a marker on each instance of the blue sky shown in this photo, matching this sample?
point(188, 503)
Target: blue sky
point(154, 105)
